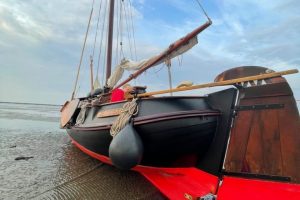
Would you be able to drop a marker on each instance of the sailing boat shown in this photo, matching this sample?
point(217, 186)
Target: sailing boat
point(196, 141)
point(161, 130)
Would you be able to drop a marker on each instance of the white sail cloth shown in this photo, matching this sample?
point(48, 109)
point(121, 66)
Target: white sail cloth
point(96, 83)
point(119, 70)
point(136, 65)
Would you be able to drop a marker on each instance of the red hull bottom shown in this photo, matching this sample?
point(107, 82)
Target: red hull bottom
point(174, 183)
point(193, 183)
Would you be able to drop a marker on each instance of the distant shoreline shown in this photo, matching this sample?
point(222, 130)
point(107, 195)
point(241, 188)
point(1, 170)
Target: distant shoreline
point(41, 104)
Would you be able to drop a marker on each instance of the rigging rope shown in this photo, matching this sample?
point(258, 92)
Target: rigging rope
point(82, 51)
point(129, 109)
point(132, 25)
point(128, 30)
point(198, 1)
point(95, 40)
point(96, 83)
point(180, 58)
point(121, 31)
point(125, 10)
point(105, 52)
point(169, 75)
point(117, 44)
point(101, 40)
point(102, 32)
point(65, 184)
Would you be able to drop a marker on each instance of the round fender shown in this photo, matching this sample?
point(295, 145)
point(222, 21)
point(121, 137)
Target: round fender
point(126, 149)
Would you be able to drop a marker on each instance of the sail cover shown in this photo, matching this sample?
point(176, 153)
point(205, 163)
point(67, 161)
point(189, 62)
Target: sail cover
point(136, 65)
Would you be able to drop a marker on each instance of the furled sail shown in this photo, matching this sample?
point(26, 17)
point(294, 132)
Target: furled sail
point(119, 70)
point(170, 52)
point(96, 83)
point(136, 65)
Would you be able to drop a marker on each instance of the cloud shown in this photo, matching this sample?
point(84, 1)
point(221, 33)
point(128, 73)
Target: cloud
point(40, 42)
point(246, 33)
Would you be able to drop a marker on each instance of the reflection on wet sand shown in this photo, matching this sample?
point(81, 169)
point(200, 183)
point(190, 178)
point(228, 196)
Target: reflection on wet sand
point(57, 169)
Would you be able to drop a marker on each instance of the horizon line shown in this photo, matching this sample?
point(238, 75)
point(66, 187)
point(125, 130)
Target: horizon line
point(45, 104)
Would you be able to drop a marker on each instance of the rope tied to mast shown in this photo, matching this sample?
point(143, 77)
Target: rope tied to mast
point(129, 109)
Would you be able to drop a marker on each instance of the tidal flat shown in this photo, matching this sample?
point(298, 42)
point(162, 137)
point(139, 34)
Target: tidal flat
point(38, 161)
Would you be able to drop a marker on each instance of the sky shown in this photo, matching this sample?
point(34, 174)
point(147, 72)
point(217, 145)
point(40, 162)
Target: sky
point(41, 41)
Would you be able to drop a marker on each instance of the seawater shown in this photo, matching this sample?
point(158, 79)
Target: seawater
point(57, 169)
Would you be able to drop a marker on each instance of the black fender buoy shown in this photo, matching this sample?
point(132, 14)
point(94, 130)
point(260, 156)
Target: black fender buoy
point(126, 149)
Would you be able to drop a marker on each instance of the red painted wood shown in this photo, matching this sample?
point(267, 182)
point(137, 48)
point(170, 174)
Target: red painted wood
point(177, 183)
point(174, 183)
point(233, 188)
point(181, 183)
point(117, 95)
point(102, 158)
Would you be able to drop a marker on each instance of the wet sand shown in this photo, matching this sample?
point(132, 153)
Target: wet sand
point(58, 170)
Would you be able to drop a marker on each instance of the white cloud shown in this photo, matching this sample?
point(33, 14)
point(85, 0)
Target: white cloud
point(40, 42)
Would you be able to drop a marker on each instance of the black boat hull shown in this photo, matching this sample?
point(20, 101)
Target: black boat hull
point(170, 128)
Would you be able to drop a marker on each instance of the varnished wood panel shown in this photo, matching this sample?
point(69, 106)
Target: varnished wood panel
point(238, 141)
point(289, 127)
point(264, 149)
point(266, 141)
point(271, 142)
point(254, 157)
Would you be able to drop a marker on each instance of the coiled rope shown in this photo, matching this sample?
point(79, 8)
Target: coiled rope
point(129, 109)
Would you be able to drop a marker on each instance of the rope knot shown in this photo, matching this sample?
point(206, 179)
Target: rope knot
point(129, 109)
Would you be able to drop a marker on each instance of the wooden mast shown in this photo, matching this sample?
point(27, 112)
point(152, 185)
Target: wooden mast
point(110, 39)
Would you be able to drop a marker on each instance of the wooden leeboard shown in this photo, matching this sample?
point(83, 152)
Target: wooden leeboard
point(266, 141)
point(67, 111)
point(238, 141)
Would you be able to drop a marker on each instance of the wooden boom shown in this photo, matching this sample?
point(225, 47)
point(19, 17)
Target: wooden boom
point(221, 83)
point(173, 47)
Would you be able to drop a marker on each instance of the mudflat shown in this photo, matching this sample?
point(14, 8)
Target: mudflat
point(38, 161)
